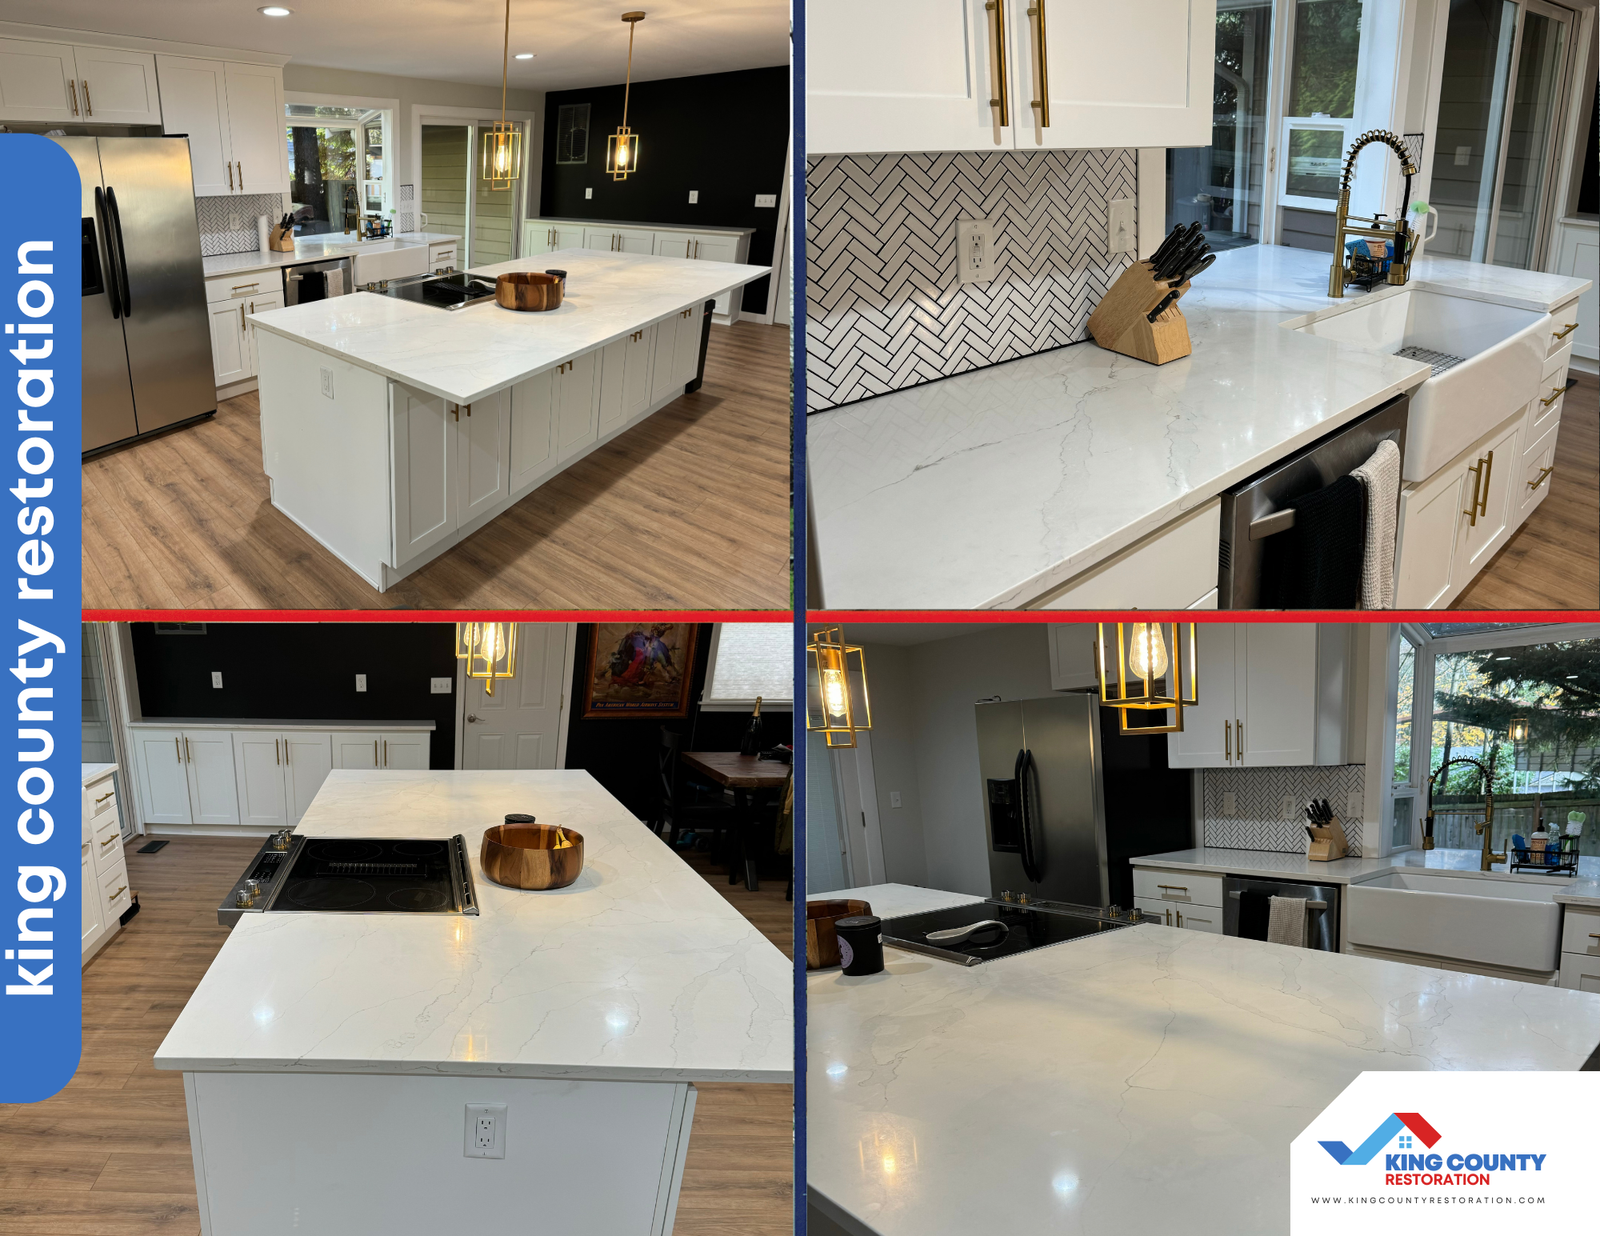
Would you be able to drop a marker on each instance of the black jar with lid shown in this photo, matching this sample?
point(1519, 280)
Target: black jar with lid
point(860, 943)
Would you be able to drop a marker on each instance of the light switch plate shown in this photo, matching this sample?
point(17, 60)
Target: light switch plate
point(974, 250)
point(216, 679)
point(1120, 236)
point(1286, 808)
point(485, 1131)
point(767, 200)
point(1228, 804)
point(439, 686)
point(1354, 806)
point(894, 798)
point(694, 197)
point(361, 682)
point(327, 382)
point(588, 193)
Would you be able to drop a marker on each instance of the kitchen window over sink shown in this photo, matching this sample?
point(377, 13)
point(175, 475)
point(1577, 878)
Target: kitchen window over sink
point(340, 170)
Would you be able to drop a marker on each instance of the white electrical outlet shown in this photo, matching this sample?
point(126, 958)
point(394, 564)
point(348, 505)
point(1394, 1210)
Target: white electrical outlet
point(1119, 226)
point(974, 250)
point(327, 382)
point(439, 686)
point(767, 200)
point(486, 1131)
point(694, 197)
point(361, 682)
point(1227, 802)
point(1286, 809)
point(1354, 805)
point(216, 679)
point(894, 798)
point(235, 224)
point(588, 193)
point(1463, 155)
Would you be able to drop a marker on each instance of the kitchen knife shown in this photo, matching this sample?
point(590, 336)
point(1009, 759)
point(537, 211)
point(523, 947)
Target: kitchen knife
point(1181, 257)
point(1176, 244)
point(1194, 270)
point(1165, 247)
point(1162, 307)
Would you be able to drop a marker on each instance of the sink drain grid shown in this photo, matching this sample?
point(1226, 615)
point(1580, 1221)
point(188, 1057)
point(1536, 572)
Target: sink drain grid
point(1439, 360)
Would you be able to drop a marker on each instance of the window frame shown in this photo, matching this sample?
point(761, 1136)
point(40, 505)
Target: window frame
point(1284, 12)
point(711, 703)
point(388, 116)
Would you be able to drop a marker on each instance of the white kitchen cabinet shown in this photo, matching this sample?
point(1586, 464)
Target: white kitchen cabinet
point(233, 114)
point(577, 406)
point(625, 379)
point(533, 435)
point(256, 127)
point(232, 356)
point(1481, 537)
point(913, 75)
point(1174, 567)
point(483, 460)
point(92, 915)
point(1538, 462)
point(441, 253)
point(425, 433)
point(1206, 740)
point(1190, 918)
point(263, 793)
point(1426, 545)
point(1580, 948)
point(540, 236)
point(1071, 646)
point(208, 765)
point(403, 751)
point(381, 749)
point(118, 86)
point(704, 244)
point(116, 894)
point(163, 779)
point(664, 360)
point(355, 749)
point(252, 306)
point(686, 345)
point(615, 239)
point(707, 247)
point(77, 83)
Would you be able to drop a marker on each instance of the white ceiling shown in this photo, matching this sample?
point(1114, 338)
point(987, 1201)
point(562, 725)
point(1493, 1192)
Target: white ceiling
point(575, 42)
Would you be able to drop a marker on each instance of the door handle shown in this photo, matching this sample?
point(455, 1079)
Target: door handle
point(471, 717)
point(697, 250)
point(686, 248)
point(104, 216)
point(1539, 480)
point(177, 748)
point(998, 8)
point(286, 756)
point(72, 87)
point(1227, 741)
point(88, 107)
point(1042, 58)
point(1488, 479)
point(1471, 511)
point(1179, 913)
point(122, 251)
point(1555, 393)
point(241, 317)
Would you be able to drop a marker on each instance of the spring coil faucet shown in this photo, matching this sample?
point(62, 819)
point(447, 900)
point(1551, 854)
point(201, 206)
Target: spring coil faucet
point(1374, 228)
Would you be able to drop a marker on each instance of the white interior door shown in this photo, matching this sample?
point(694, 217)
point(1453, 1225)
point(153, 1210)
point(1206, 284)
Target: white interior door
point(519, 726)
point(852, 772)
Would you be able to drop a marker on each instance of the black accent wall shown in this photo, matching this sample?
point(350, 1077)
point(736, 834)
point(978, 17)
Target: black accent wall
point(724, 134)
point(303, 671)
point(621, 754)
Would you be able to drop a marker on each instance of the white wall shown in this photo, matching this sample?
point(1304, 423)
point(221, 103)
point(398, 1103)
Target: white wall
point(894, 763)
point(416, 91)
point(824, 862)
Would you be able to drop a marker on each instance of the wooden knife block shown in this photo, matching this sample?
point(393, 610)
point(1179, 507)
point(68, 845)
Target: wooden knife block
point(1119, 323)
point(1328, 843)
point(281, 240)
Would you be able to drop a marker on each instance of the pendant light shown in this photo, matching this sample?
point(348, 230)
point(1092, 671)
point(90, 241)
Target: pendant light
point(836, 688)
point(502, 145)
point(1518, 730)
point(622, 147)
point(1148, 677)
point(489, 649)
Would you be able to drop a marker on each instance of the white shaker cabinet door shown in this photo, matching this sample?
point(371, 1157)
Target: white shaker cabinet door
point(1098, 97)
point(1277, 708)
point(232, 350)
point(1480, 539)
point(38, 82)
point(537, 237)
point(663, 361)
point(405, 750)
point(308, 758)
point(252, 306)
point(258, 768)
point(484, 455)
point(613, 360)
point(91, 905)
point(357, 750)
point(163, 777)
point(1425, 549)
point(194, 100)
point(601, 238)
point(256, 127)
point(213, 782)
point(902, 75)
point(577, 408)
point(1206, 740)
point(424, 438)
point(119, 87)
point(533, 442)
point(638, 349)
point(686, 345)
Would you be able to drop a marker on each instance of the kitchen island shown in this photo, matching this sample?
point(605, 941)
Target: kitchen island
point(1023, 484)
point(333, 1054)
point(393, 430)
point(1139, 1079)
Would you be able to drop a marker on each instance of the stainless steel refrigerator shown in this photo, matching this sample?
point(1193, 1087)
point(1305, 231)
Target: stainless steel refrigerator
point(1068, 799)
point(146, 333)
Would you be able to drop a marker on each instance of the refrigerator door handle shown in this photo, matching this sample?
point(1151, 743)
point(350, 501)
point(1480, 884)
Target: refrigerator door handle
point(1030, 865)
point(104, 221)
point(120, 255)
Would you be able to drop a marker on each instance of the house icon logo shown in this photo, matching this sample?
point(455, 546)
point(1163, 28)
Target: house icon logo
point(1410, 1127)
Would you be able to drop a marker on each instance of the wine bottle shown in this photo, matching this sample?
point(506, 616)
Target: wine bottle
point(750, 744)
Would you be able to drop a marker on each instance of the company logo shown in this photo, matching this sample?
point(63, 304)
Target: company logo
point(1385, 1133)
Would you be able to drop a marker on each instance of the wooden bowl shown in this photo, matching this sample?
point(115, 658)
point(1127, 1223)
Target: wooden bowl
point(822, 945)
point(528, 291)
point(531, 855)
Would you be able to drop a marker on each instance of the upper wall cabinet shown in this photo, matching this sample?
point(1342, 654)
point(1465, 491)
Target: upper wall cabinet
point(909, 75)
point(233, 115)
point(71, 83)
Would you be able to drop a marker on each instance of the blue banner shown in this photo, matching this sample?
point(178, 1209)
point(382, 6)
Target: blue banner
point(42, 862)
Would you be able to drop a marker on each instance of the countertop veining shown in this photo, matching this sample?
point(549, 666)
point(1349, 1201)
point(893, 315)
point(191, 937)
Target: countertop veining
point(309, 249)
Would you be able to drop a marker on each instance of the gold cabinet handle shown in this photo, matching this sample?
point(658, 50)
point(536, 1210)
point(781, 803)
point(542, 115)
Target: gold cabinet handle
point(277, 758)
point(374, 752)
point(107, 841)
point(1227, 741)
point(103, 797)
point(230, 177)
point(73, 88)
point(1555, 393)
point(1167, 915)
point(1238, 730)
point(1539, 480)
point(1471, 511)
point(1594, 935)
point(1182, 888)
point(118, 893)
point(88, 107)
point(386, 753)
point(286, 756)
point(241, 317)
point(1562, 334)
point(177, 748)
point(241, 177)
point(455, 412)
point(1042, 58)
point(998, 8)
point(1488, 479)
point(697, 250)
point(469, 409)
point(1180, 917)
point(245, 287)
point(188, 752)
point(686, 247)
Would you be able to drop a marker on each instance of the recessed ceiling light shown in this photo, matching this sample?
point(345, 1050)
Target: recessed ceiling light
point(275, 10)
point(524, 56)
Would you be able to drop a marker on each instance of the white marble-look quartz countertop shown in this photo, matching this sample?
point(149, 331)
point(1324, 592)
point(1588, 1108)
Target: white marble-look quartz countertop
point(310, 249)
point(639, 971)
point(893, 900)
point(987, 489)
point(1139, 1080)
point(463, 355)
point(256, 723)
point(93, 772)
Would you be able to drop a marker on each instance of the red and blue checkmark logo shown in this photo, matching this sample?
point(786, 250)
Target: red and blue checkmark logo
point(1397, 1123)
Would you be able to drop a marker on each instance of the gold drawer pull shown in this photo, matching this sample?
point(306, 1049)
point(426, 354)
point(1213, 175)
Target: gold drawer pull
point(245, 287)
point(73, 87)
point(108, 841)
point(1182, 888)
point(1180, 918)
point(1555, 393)
point(1562, 334)
point(1036, 10)
point(103, 797)
point(1479, 505)
point(1594, 935)
point(997, 7)
point(1543, 472)
point(88, 106)
point(118, 893)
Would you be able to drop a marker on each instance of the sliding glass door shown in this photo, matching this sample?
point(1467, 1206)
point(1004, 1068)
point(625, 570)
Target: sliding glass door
point(457, 200)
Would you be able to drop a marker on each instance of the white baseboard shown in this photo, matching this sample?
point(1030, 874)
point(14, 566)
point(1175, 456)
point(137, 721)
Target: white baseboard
point(1584, 365)
point(237, 388)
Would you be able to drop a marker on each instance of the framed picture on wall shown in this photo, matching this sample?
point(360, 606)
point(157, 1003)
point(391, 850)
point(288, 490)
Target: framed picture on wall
point(572, 133)
point(639, 669)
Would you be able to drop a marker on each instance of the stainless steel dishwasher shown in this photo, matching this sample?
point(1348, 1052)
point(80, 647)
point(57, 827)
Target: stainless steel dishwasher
point(308, 281)
point(1253, 510)
point(1322, 907)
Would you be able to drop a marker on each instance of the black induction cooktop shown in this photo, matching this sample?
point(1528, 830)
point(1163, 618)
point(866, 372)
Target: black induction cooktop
point(372, 875)
point(1006, 929)
point(451, 291)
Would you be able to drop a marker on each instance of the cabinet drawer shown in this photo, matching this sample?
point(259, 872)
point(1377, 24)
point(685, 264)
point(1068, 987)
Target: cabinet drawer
point(1189, 917)
point(1580, 973)
point(1555, 367)
point(441, 255)
point(1544, 417)
point(1580, 932)
point(106, 844)
point(1563, 325)
point(1172, 568)
point(237, 287)
point(1178, 887)
point(114, 891)
point(1538, 463)
point(98, 799)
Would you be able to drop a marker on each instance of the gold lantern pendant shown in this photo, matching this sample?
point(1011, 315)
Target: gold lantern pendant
point(502, 144)
point(1518, 730)
point(1144, 672)
point(489, 649)
point(622, 147)
point(831, 707)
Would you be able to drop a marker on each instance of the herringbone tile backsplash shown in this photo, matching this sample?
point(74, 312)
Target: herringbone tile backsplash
point(885, 310)
point(1257, 821)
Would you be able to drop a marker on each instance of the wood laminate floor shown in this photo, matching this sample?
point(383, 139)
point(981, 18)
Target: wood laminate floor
point(1553, 560)
point(688, 510)
point(109, 1154)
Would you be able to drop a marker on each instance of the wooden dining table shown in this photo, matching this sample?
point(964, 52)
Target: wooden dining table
point(750, 778)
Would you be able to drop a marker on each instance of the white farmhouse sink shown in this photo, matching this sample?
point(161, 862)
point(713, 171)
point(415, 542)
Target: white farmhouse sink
point(1496, 922)
point(1502, 350)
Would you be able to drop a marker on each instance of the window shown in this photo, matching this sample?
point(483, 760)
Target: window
point(337, 166)
point(1319, 114)
point(1404, 780)
point(750, 659)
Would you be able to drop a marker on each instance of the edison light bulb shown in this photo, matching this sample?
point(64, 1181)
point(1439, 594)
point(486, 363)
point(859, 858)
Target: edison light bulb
point(833, 692)
point(1147, 655)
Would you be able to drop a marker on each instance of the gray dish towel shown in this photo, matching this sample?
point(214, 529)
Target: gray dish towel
point(1286, 922)
point(1380, 476)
